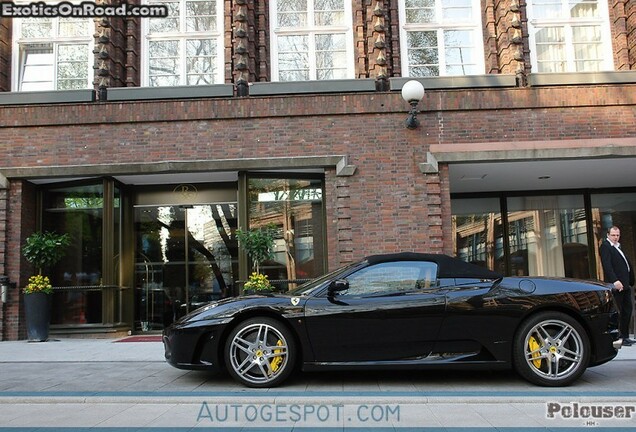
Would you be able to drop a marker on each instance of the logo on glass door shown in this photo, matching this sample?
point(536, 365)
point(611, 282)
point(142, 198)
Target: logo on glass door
point(186, 190)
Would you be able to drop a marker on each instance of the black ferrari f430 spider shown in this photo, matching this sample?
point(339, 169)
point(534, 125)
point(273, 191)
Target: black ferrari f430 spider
point(405, 310)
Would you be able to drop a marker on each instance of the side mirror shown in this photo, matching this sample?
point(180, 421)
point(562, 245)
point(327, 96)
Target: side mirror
point(337, 286)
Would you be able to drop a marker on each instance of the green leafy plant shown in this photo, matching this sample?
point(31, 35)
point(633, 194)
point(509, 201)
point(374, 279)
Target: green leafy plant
point(258, 282)
point(43, 250)
point(258, 243)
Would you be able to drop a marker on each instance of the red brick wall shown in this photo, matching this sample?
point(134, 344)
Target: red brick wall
point(388, 204)
point(4, 194)
point(5, 54)
point(630, 13)
point(19, 224)
point(503, 51)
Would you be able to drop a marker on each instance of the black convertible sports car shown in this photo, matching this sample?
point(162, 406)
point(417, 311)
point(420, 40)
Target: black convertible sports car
point(404, 310)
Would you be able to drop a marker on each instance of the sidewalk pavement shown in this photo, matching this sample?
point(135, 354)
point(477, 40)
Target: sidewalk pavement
point(99, 384)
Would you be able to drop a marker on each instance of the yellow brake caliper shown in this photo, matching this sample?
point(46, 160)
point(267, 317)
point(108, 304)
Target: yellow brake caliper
point(534, 348)
point(276, 361)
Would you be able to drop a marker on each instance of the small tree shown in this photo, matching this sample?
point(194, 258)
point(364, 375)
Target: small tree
point(258, 243)
point(43, 250)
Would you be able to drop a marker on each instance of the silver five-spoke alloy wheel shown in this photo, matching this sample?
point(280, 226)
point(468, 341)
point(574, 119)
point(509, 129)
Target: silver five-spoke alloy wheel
point(260, 352)
point(552, 349)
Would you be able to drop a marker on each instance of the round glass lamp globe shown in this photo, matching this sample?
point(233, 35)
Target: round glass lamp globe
point(412, 91)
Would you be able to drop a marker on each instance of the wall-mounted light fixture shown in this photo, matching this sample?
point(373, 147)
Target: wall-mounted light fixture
point(412, 92)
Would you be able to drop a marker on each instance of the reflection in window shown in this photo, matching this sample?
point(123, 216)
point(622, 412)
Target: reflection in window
point(311, 40)
point(54, 54)
point(441, 37)
point(78, 211)
point(569, 35)
point(478, 232)
point(295, 208)
point(548, 236)
point(184, 254)
point(186, 47)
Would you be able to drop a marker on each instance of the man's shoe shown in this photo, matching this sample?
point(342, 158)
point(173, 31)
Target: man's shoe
point(631, 341)
point(627, 342)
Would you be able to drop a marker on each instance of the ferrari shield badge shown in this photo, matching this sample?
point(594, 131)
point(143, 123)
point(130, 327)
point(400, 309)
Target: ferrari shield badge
point(295, 301)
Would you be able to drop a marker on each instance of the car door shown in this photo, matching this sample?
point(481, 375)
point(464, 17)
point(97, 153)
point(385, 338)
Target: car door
point(391, 311)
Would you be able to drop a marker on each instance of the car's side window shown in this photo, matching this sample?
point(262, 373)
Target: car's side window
point(392, 278)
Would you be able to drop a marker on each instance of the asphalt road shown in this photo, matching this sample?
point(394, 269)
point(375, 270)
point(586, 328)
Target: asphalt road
point(100, 384)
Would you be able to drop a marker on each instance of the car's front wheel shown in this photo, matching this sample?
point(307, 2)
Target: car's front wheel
point(260, 352)
point(551, 349)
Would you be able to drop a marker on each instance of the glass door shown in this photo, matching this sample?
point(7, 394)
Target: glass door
point(185, 257)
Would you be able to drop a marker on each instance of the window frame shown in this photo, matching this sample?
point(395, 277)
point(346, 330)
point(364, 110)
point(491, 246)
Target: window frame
point(440, 26)
point(21, 45)
point(311, 31)
point(567, 24)
point(182, 36)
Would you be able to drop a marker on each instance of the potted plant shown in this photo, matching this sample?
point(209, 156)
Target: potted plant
point(258, 243)
point(43, 250)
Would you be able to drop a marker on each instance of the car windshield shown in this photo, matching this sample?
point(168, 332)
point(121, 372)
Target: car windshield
point(307, 287)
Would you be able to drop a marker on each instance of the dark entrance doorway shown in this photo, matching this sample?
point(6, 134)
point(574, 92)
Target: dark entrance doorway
point(185, 257)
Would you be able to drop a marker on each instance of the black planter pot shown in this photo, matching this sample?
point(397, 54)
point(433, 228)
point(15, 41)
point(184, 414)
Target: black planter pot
point(37, 308)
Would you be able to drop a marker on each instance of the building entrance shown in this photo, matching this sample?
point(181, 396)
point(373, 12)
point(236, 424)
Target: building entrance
point(185, 256)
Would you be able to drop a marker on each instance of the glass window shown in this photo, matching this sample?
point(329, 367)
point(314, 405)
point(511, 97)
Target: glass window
point(478, 232)
point(548, 236)
point(614, 210)
point(569, 35)
point(53, 54)
point(78, 211)
point(311, 40)
point(185, 256)
point(392, 278)
point(441, 37)
point(185, 48)
point(295, 208)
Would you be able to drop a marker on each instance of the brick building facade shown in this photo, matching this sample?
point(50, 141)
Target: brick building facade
point(385, 188)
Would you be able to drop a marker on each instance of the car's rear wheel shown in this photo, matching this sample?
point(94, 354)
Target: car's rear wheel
point(551, 349)
point(260, 352)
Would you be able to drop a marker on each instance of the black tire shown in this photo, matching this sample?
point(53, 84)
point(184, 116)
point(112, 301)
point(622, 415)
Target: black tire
point(551, 349)
point(260, 352)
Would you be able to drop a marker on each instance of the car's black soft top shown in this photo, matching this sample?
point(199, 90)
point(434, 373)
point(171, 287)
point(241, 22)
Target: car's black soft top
point(448, 266)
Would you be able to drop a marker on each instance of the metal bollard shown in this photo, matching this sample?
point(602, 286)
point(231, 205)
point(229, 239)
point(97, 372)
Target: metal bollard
point(4, 288)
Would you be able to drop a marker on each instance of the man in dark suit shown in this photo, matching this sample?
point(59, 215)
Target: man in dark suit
point(619, 272)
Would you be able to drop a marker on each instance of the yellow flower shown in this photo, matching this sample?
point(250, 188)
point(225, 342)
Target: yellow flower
point(38, 283)
point(258, 282)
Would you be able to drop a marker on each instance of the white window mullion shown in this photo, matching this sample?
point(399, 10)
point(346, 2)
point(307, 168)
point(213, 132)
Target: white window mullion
point(441, 51)
point(56, 63)
point(569, 48)
point(183, 56)
point(311, 59)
